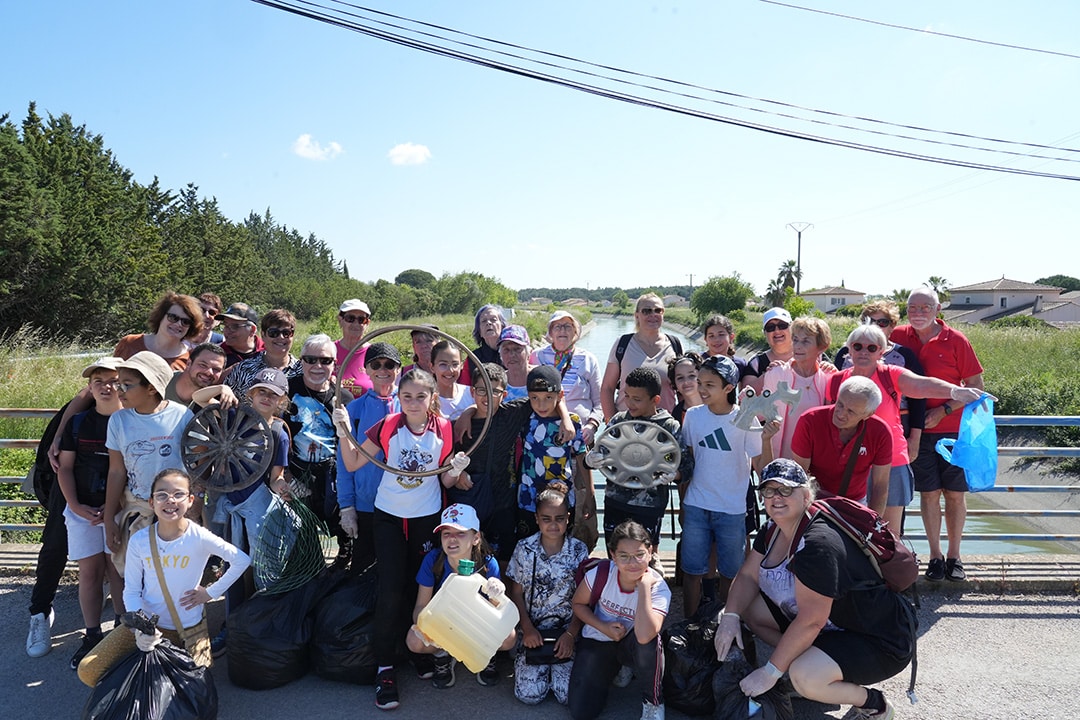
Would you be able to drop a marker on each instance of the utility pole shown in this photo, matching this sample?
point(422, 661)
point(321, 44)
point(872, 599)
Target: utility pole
point(691, 283)
point(798, 227)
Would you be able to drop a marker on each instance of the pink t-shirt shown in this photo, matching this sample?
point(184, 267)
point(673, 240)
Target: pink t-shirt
point(353, 376)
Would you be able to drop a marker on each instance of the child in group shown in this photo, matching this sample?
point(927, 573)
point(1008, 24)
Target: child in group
point(682, 374)
point(622, 628)
point(541, 575)
point(460, 539)
point(418, 439)
point(641, 393)
point(714, 504)
point(84, 467)
point(167, 583)
point(453, 397)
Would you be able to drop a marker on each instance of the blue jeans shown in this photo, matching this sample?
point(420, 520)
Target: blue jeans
point(700, 529)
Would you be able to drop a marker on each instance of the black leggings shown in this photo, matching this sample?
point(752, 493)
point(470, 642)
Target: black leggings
point(400, 546)
point(52, 558)
point(597, 662)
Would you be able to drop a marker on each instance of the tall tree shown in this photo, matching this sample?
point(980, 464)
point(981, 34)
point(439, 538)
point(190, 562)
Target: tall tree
point(939, 285)
point(774, 294)
point(788, 274)
point(720, 295)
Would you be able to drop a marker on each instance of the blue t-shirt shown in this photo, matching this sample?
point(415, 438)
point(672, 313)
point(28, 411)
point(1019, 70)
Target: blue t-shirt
point(279, 458)
point(426, 576)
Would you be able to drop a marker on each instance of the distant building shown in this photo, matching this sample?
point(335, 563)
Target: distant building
point(1000, 298)
point(540, 301)
point(675, 301)
point(575, 302)
point(831, 299)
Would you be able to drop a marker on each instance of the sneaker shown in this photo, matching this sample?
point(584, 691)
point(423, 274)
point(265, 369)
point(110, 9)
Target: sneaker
point(39, 639)
point(444, 672)
point(386, 694)
point(954, 570)
point(88, 644)
point(624, 678)
point(425, 666)
point(219, 645)
point(652, 712)
point(887, 714)
point(935, 570)
point(488, 676)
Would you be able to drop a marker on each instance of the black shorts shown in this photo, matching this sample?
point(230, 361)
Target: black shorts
point(933, 472)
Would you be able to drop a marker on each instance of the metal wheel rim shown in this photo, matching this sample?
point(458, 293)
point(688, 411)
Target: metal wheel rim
point(637, 453)
point(431, 331)
point(219, 446)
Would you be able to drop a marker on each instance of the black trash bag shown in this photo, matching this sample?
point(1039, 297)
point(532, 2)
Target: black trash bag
point(269, 635)
point(342, 641)
point(163, 684)
point(732, 703)
point(690, 661)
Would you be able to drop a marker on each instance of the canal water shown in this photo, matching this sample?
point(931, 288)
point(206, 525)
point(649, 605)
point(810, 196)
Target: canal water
point(605, 331)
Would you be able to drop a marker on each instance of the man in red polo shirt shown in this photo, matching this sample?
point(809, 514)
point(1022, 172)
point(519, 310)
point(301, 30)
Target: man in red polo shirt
point(826, 436)
point(945, 354)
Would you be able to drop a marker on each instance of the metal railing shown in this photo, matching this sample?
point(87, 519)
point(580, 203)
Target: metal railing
point(670, 524)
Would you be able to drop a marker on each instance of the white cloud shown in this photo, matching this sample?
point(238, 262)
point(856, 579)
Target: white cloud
point(311, 149)
point(409, 154)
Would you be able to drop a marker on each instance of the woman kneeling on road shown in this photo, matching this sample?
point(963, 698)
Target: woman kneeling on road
point(834, 624)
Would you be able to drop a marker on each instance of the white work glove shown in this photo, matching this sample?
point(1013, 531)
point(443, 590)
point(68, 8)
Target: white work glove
point(348, 522)
point(966, 395)
point(147, 642)
point(458, 463)
point(494, 588)
point(728, 630)
point(667, 477)
point(341, 421)
point(594, 458)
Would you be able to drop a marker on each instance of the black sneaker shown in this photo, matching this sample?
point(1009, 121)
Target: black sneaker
point(425, 666)
point(444, 672)
point(954, 570)
point(219, 644)
point(936, 569)
point(88, 644)
point(488, 676)
point(386, 694)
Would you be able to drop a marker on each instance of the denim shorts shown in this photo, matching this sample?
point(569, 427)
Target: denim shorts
point(901, 487)
point(700, 529)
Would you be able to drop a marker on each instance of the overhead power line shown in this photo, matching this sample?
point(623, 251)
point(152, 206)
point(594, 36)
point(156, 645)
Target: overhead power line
point(366, 26)
point(921, 30)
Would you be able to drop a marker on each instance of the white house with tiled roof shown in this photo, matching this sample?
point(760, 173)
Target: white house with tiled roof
point(1000, 298)
point(831, 299)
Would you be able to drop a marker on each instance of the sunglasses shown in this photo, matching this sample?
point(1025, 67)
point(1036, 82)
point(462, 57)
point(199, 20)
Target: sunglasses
point(126, 387)
point(280, 332)
point(778, 325)
point(312, 359)
point(774, 490)
point(382, 364)
point(880, 322)
point(652, 311)
point(174, 318)
point(362, 319)
point(871, 348)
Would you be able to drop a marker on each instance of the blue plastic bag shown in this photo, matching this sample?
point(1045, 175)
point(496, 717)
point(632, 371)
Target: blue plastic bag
point(975, 448)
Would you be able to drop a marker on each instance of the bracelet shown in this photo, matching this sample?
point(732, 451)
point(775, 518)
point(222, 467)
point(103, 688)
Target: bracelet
point(567, 632)
point(773, 671)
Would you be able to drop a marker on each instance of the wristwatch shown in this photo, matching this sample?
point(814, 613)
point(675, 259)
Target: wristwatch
point(948, 408)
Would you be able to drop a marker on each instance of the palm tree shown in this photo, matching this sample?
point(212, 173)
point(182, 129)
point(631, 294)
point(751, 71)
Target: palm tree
point(789, 273)
point(900, 295)
point(774, 294)
point(939, 285)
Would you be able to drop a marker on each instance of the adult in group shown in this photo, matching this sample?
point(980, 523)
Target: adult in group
point(514, 346)
point(240, 327)
point(422, 342)
point(946, 354)
point(487, 329)
point(579, 368)
point(211, 306)
point(834, 624)
point(203, 370)
point(718, 332)
point(845, 446)
point(777, 327)
point(354, 316)
point(278, 329)
point(174, 319)
point(313, 452)
point(804, 372)
point(646, 347)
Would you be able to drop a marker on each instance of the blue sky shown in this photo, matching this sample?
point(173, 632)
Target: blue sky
point(400, 159)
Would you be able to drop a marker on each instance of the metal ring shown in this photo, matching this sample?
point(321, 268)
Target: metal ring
point(431, 331)
point(637, 453)
point(223, 445)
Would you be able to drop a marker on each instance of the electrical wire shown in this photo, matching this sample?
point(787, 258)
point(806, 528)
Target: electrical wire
point(490, 63)
point(920, 30)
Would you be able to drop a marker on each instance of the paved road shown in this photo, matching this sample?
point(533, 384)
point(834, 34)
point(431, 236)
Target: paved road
point(988, 657)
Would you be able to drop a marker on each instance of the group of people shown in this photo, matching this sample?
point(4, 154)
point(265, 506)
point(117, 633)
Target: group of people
point(384, 466)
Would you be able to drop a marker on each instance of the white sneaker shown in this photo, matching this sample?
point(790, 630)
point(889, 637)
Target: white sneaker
point(652, 712)
point(39, 639)
point(624, 678)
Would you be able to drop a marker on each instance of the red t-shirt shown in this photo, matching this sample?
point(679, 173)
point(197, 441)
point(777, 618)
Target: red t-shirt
point(888, 410)
point(818, 439)
point(947, 356)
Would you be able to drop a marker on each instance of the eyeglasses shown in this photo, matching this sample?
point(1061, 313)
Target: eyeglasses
point(176, 496)
point(565, 327)
point(382, 364)
point(778, 325)
point(126, 387)
point(859, 347)
point(280, 332)
point(313, 359)
point(235, 327)
point(880, 322)
point(921, 309)
point(651, 311)
point(626, 559)
point(444, 366)
point(174, 318)
point(362, 319)
point(773, 490)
